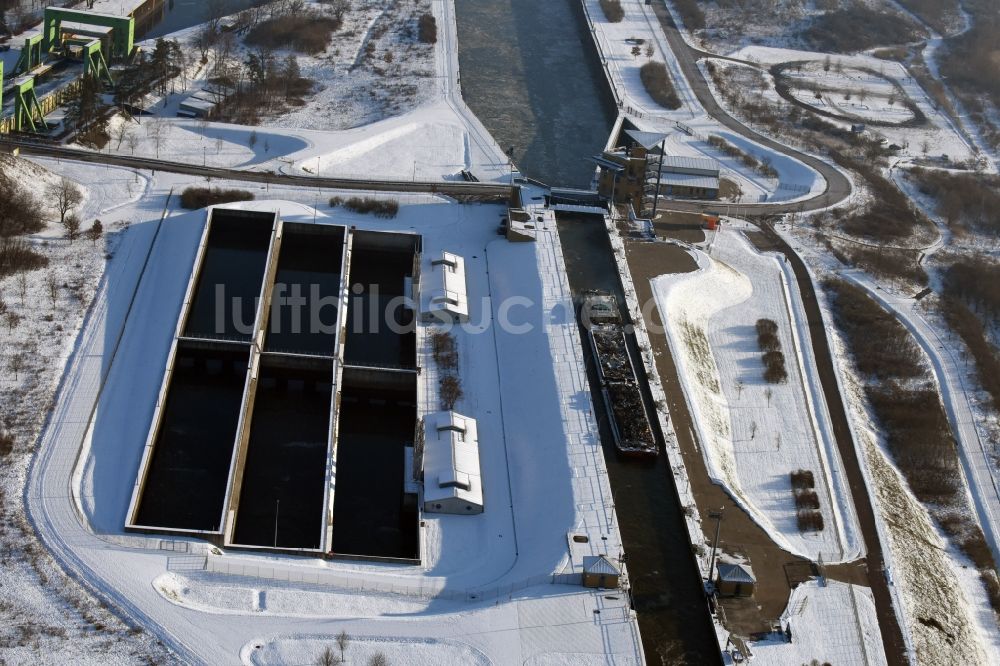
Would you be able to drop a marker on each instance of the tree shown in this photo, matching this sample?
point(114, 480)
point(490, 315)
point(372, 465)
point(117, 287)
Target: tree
point(636, 50)
point(120, 132)
point(378, 659)
point(252, 140)
point(132, 141)
point(22, 286)
point(328, 658)
point(16, 363)
point(65, 196)
point(768, 393)
point(156, 131)
point(650, 50)
point(71, 223)
point(95, 232)
point(826, 64)
point(52, 286)
point(342, 642)
point(12, 319)
point(85, 105)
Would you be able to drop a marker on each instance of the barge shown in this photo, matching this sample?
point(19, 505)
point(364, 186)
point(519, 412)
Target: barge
point(619, 387)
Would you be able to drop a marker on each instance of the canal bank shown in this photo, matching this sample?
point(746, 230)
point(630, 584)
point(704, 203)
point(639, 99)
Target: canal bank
point(531, 74)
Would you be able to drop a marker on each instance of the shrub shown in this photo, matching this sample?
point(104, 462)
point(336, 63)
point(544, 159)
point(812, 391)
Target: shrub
point(887, 263)
point(378, 207)
point(802, 479)
point(963, 200)
point(451, 391)
point(20, 212)
point(613, 10)
point(427, 29)
point(970, 328)
point(890, 216)
point(774, 368)
point(17, 255)
point(766, 326)
point(691, 14)
point(6, 443)
point(307, 33)
point(809, 520)
point(656, 80)
point(806, 499)
point(768, 342)
point(859, 28)
point(200, 197)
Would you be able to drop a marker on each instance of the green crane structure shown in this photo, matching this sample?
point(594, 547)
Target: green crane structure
point(122, 29)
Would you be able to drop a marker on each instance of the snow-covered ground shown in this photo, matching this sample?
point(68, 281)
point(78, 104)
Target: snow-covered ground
point(939, 135)
point(755, 433)
point(615, 42)
point(506, 556)
point(829, 622)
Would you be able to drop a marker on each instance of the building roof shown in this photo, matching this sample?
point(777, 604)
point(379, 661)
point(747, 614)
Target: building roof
point(443, 287)
point(647, 140)
point(736, 573)
point(688, 180)
point(600, 565)
point(696, 163)
point(451, 458)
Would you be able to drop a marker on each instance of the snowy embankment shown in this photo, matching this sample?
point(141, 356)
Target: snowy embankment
point(755, 433)
point(829, 622)
point(688, 127)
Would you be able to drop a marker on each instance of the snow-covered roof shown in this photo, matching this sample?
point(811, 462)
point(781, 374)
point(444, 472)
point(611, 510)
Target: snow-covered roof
point(672, 162)
point(443, 287)
point(688, 180)
point(85, 28)
point(600, 565)
point(736, 573)
point(451, 459)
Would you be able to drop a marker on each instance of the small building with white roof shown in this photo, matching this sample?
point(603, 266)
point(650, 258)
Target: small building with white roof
point(452, 477)
point(444, 291)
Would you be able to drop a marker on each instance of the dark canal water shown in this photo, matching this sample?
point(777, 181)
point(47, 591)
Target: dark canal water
point(666, 585)
point(530, 73)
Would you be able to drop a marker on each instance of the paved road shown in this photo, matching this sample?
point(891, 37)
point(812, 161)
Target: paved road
point(838, 187)
point(463, 189)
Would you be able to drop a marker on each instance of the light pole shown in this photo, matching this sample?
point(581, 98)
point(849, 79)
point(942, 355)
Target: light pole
point(717, 515)
point(277, 509)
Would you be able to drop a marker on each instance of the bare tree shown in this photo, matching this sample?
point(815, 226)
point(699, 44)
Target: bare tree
point(65, 195)
point(22, 286)
point(71, 224)
point(13, 320)
point(132, 141)
point(120, 132)
point(17, 363)
point(768, 393)
point(342, 642)
point(739, 388)
point(378, 659)
point(328, 658)
point(52, 286)
point(753, 429)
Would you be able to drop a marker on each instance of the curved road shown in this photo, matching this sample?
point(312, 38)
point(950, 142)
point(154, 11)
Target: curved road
point(838, 187)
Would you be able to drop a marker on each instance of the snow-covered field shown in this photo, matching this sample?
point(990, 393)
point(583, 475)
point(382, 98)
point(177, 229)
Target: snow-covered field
point(830, 622)
point(756, 433)
point(939, 135)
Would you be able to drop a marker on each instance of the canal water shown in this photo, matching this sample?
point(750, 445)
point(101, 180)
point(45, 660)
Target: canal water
point(531, 75)
point(666, 584)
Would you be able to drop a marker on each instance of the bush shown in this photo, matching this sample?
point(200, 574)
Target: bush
point(307, 33)
point(17, 255)
point(809, 520)
point(970, 328)
point(691, 14)
point(613, 10)
point(806, 499)
point(378, 207)
point(881, 346)
point(890, 216)
point(887, 263)
point(774, 368)
point(6, 443)
point(427, 29)
point(656, 80)
point(20, 212)
point(802, 479)
point(859, 28)
point(200, 197)
point(965, 201)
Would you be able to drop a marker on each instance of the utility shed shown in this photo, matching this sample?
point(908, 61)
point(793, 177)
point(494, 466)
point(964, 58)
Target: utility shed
point(735, 580)
point(443, 290)
point(696, 177)
point(600, 572)
point(452, 477)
